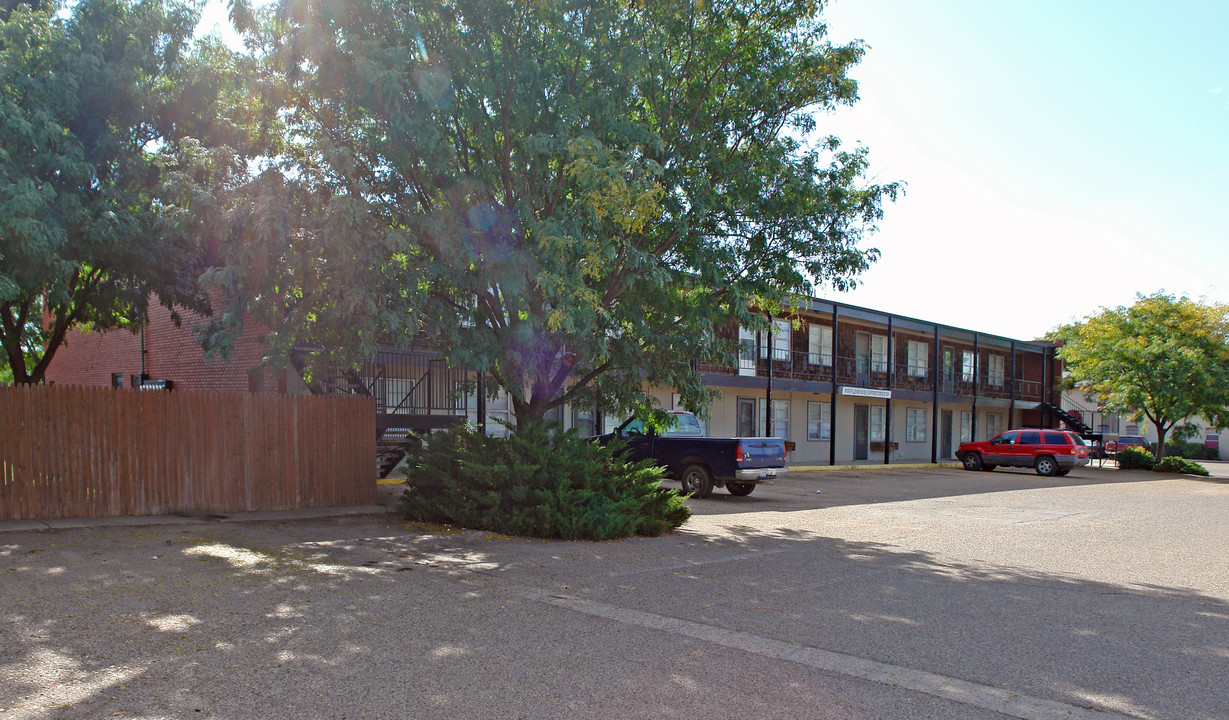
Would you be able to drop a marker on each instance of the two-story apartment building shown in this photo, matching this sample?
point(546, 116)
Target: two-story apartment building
point(842, 384)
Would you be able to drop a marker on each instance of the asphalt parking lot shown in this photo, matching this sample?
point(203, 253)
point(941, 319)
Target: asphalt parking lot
point(855, 593)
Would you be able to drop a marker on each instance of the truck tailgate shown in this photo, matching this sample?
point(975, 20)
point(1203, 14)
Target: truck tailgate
point(761, 453)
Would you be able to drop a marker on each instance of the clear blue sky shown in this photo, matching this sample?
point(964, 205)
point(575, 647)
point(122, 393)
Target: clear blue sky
point(1061, 156)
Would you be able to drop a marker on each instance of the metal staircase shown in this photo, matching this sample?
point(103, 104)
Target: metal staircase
point(1073, 422)
point(420, 386)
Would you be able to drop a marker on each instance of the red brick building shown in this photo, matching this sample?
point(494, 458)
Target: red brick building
point(161, 351)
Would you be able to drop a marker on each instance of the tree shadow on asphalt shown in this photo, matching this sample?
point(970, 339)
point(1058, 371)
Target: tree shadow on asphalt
point(324, 619)
point(796, 492)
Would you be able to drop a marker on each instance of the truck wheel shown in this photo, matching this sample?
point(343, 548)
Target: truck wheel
point(740, 488)
point(697, 481)
point(972, 461)
point(1046, 465)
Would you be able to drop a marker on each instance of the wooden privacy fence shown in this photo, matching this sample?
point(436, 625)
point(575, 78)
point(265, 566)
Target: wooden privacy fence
point(99, 452)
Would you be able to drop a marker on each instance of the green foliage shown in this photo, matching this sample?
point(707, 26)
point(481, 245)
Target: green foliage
point(1180, 465)
point(568, 197)
point(1135, 458)
point(1189, 450)
point(538, 482)
point(1163, 358)
point(104, 117)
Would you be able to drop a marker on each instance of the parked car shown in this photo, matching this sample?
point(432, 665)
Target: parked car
point(1050, 452)
point(1125, 441)
point(701, 463)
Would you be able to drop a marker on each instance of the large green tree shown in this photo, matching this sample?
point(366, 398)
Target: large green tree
point(1163, 358)
point(567, 195)
point(103, 130)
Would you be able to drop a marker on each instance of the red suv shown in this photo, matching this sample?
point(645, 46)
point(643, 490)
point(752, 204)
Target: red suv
point(1050, 452)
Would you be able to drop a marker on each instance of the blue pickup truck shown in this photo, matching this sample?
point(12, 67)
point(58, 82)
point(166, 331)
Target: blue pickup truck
point(701, 463)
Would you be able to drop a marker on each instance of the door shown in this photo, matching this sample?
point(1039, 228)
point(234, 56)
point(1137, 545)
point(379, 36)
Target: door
point(861, 426)
point(945, 434)
point(746, 418)
point(862, 353)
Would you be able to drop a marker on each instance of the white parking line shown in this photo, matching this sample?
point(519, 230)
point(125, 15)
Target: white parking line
point(1006, 702)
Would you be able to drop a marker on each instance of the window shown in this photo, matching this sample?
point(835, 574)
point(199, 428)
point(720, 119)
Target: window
point(917, 358)
point(966, 425)
point(878, 417)
point(780, 418)
point(498, 413)
point(879, 353)
point(819, 421)
point(778, 339)
point(1052, 438)
point(746, 352)
point(994, 374)
point(819, 345)
point(966, 366)
point(1030, 438)
point(915, 425)
point(994, 424)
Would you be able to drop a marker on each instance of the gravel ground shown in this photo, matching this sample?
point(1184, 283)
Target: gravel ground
point(900, 594)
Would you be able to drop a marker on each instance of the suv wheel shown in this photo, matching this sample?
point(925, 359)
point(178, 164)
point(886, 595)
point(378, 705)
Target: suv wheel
point(1046, 465)
point(972, 461)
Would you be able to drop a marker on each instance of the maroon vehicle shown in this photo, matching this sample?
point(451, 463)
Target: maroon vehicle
point(1049, 452)
point(1125, 441)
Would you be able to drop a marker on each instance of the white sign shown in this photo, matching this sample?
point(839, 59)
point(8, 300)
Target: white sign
point(867, 392)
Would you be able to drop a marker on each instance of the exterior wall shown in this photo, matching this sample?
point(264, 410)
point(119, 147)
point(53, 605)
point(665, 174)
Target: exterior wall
point(170, 353)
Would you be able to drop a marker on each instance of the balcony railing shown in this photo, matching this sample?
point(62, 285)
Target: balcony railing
point(872, 373)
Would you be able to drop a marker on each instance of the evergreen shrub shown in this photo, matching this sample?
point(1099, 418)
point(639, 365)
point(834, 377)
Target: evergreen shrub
point(1135, 458)
point(541, 482)
point(1180, 465)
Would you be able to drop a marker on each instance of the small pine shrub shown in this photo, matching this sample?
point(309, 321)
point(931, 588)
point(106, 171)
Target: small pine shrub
point(539, 482)
point(1176, 464)
point(1135, 458)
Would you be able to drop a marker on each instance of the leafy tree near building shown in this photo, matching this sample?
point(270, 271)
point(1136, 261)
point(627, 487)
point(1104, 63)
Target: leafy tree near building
point(567, 196)
point(104, 126)
point(1163, 358)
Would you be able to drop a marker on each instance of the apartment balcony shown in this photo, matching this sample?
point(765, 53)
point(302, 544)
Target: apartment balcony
point(866, 372)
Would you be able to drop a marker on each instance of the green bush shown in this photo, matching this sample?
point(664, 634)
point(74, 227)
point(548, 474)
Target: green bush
point(1135, 458)
point(539, 482)
point(1189, 450)
point(1180, 465)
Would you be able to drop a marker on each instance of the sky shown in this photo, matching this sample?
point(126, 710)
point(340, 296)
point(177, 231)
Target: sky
point(1060, 157)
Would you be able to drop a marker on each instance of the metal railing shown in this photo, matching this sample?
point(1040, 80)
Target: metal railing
point(872, 372)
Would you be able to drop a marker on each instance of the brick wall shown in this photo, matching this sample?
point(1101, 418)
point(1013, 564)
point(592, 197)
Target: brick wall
point(171, 353)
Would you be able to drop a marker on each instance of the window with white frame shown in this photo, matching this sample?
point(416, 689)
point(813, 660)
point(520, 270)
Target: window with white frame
point(746, 351)
point(819, 345)
point(819, 421)
point(994, 371)
point(994, 424)
point(879, 353)
point(778, 339)
point(966, 426)
point(582, 420)
point(915, 425)
point(878, 423)
point(498, 413)
point(967, 369)
point(780, 418)
point(918, 361)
